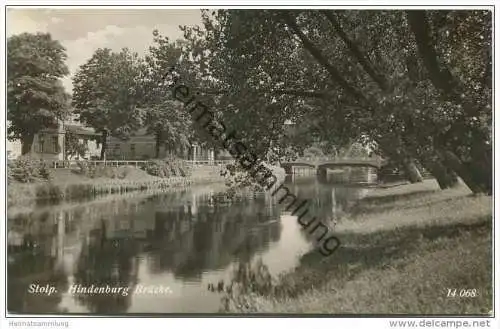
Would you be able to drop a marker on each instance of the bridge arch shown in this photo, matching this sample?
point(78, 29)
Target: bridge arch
point(288, 166)
point(321, 164)
point(346, 164)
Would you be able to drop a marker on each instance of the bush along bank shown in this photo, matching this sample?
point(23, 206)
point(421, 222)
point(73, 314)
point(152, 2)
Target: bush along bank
point(31, 182)
point(53, 192)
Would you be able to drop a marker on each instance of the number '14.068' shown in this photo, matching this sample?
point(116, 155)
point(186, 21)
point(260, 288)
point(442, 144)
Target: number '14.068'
point(462, 293)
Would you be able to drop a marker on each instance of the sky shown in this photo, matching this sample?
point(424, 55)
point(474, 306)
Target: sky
point(82, 31)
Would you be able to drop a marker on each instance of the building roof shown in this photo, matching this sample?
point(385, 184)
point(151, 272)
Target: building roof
point(75, 128)
point(80, 130)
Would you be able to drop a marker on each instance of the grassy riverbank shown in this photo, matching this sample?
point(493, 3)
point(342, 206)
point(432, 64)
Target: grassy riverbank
point(65, 185)
point(402, 249)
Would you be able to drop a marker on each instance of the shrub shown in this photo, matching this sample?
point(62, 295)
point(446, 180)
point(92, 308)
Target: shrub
point(107, 172)
point(178, 167)
point(157, 168)
point(167, 167)
point(87, 169)
point(44, 171)
point(97, 171)
point(121, 174)
point(83, 167)
point(26, 170)
point(247, 280)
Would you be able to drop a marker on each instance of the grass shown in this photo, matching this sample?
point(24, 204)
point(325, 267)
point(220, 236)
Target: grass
point(68, 185)
point(402, 248)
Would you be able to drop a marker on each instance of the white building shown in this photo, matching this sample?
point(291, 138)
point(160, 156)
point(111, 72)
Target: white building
point(49, 143)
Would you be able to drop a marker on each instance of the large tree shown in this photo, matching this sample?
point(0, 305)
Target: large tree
point(106, 94)
point(164, 117)
point(35, 94)
point(356, 73)
point(455, 49)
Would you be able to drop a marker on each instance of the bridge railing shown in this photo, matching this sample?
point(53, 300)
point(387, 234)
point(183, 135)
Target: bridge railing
point(315, 159)
point(333, 159)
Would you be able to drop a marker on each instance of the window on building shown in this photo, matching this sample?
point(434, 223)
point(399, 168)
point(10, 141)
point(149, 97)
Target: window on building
point(132, 150)
point(55, 144)
point(41, 141)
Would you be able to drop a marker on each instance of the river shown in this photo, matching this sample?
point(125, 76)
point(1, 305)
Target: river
point(176, 243)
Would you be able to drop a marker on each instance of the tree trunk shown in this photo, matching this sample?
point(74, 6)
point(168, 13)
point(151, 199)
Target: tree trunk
point(480, 174)
point(157, 144)
point(470, 173)
point(26, 143)
point(104, 144)
point(412, 172)
point(481, 166)
point(445, 177)
point(439, 74)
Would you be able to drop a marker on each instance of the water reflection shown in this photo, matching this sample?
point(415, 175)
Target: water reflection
point(329, 200)
point(181, 240)
point(105, 261)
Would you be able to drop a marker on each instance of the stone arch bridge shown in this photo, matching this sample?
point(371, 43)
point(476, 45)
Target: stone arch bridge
point(322, 164)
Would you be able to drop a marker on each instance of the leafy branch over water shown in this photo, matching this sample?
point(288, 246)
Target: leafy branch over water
point(250, 280)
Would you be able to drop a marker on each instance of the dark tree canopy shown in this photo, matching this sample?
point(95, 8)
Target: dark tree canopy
point(416, 84)
point(106, 93)
point(35, 94)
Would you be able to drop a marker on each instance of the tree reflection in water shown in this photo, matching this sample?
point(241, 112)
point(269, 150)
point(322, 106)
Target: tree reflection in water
point(106, 261)
point(32, 260)
point(186, 238)
point(219, 235)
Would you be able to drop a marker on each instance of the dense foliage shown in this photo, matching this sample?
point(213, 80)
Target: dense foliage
point(35, 95)
point(91, 170)
point(105, 94)
point(25, 170)
point(73, 146)
point(412, 86)
point(164, 118)
point(415, 86)
point(166, 168)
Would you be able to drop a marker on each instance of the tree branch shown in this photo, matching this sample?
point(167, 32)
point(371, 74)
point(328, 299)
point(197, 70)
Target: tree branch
point(440, 76)
point(316, 53)
point(379, 79)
